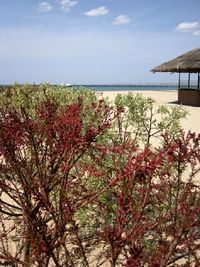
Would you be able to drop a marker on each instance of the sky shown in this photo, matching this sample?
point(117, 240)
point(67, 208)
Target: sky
point(94, 41)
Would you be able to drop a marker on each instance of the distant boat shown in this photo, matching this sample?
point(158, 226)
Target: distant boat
point(66, 84)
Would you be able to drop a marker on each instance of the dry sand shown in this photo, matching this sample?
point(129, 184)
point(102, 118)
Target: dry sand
point(192, 121)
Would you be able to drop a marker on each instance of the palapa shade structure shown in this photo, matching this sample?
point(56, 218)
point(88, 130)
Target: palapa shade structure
point(186, 63)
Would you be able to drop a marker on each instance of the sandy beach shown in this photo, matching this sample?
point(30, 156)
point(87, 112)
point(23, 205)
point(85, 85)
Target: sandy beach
point(192, 121)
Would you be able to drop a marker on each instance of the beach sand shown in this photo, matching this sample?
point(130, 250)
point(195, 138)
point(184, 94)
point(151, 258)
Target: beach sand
point(191, 122)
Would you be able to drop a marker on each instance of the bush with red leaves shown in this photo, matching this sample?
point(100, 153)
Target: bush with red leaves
point(70, 196)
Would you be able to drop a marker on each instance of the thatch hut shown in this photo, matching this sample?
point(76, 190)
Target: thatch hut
point(186, 63)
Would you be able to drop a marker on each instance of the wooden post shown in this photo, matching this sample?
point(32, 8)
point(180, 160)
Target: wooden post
point(189, 80)
point(179, 80)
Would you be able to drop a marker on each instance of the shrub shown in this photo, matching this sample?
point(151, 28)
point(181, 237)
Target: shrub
point(73, 192)
point(145, 121)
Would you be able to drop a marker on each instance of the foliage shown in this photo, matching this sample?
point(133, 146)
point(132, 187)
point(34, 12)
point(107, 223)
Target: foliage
point(29, 96)
point(144, 121)
point(42, 181)
point(75, 190)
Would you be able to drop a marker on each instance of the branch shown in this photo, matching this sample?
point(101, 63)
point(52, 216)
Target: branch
point(10, 214)
point(10, 205)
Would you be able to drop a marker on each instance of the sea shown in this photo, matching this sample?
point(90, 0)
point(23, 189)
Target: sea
point(119, 87)
point(132, 87)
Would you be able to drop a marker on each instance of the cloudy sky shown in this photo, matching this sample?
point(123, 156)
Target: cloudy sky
point(94, 41)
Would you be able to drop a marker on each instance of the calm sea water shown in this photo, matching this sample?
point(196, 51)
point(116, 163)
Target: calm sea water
point(135, 87)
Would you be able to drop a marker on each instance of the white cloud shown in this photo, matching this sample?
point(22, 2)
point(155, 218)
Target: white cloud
point(100, 11)
point(66, 5)
point(196, 33)
point(45, 7)
point(188, 26)
point(122, 19)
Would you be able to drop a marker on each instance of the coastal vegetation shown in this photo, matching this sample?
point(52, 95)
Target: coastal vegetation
point(84, 183)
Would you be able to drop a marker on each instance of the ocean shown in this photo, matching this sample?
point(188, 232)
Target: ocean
point(123, 87)
point(135, 87)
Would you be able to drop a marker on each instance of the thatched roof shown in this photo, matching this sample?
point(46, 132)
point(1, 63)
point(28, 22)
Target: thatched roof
point(188, 62)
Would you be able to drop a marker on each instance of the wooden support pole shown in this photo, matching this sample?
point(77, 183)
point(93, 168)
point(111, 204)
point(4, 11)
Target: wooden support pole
point(179, 80)
point(189, 80)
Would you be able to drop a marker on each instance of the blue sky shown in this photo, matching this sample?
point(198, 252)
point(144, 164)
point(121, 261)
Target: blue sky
point(94, 41)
